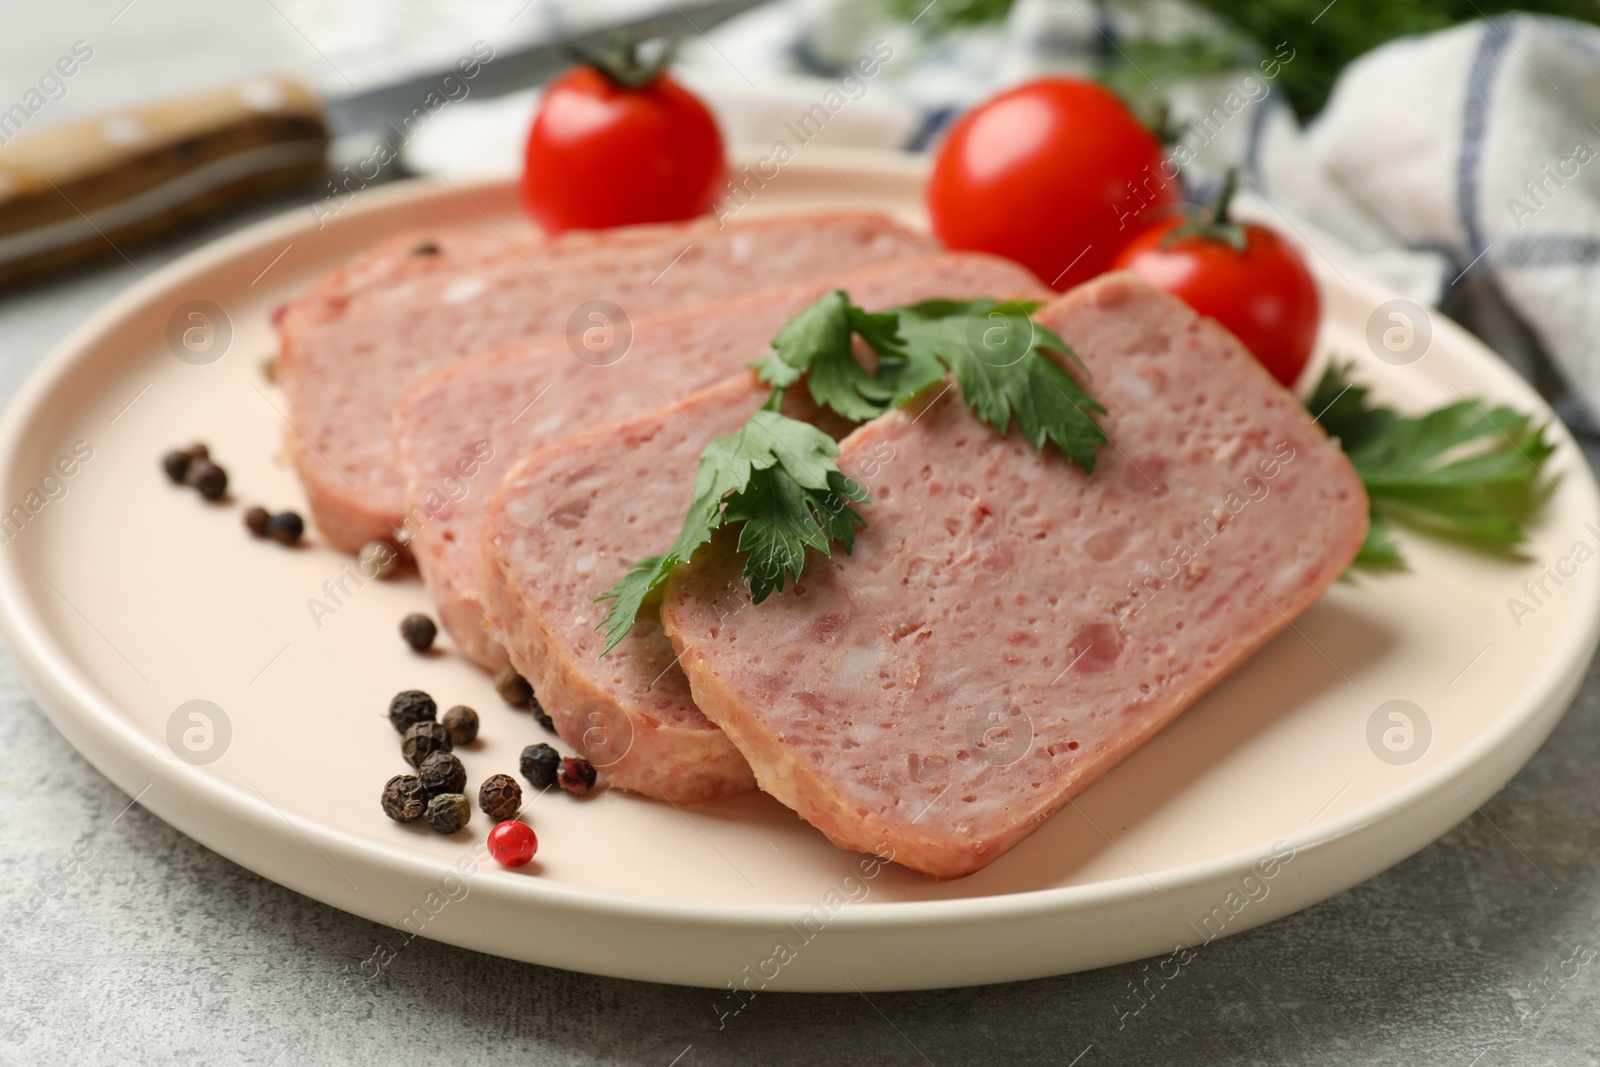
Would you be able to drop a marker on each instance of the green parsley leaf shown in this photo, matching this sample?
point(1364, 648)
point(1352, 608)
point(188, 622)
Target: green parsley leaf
point(817, 342)
point(1378, 550)
point(781, 517)
point(778, 476)
point(1461, 470)
point(995, 350)
point(1341, 408)
point(638, 586)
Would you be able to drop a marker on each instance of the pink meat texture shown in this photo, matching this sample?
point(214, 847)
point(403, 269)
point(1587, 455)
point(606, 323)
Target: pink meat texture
point(459, 431)
point(565, 525)
point(1008, 629)
point(361, 336)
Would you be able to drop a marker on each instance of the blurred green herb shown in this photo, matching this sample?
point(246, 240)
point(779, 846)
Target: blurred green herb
point(943, 15)
point(1341, 31)
point(1135, 67)
point(1350, 28)
point(1461, 470)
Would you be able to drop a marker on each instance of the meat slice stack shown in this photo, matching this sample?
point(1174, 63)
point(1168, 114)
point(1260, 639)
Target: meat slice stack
point(1008, 628)
point(360, 337)
point(485, 414)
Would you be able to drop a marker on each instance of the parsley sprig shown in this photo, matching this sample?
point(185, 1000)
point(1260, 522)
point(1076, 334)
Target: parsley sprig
point(778, 476)
point(775, 474)
point(995, 352)
point(994, 349)
point(1461, 470)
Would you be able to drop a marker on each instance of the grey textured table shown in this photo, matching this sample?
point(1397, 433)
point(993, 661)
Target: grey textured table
point(1482, 949)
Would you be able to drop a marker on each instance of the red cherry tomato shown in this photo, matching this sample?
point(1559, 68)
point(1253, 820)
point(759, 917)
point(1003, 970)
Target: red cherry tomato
point(512, 843)
point(1263, 293)
point(1055, 174)
point(602, 155)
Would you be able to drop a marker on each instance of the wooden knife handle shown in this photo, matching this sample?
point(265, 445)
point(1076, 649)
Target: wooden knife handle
point(94, 187)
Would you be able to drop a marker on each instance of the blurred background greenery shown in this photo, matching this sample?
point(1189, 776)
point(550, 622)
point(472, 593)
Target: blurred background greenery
point(1343, 30)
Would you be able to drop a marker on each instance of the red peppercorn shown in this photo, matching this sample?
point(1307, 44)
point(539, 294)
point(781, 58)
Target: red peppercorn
point(576, 775)
point(512, 844)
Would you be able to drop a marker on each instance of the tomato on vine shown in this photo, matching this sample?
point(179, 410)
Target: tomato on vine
point(617, 141)
point(1244, 275)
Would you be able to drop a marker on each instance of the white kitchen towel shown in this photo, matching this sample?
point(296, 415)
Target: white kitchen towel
point(1481, 142)
point(1439, 159)
point(351, 45)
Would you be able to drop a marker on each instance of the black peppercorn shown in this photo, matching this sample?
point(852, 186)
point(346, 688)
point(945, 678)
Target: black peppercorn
point(411, 707)
point(576, 775)
point(176, 464)
point(512, 687)
point(286, 528)
point(422, 740)
point(419, 631)
point(256, 520)
point(427, 248)
point(442, 773)
point(404, 799)
point(539, 713)
point(448, 812)
point(500, 797)
point(462, 722)
point(210, 479)
point(539, 765)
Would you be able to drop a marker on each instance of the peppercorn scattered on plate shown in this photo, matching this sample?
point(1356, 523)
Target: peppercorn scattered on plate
point(238, 687)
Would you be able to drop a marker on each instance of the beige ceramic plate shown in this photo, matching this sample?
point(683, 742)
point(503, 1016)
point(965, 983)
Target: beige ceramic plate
point(125, 599)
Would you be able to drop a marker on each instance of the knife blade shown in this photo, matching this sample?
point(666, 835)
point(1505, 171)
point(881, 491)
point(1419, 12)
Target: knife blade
point(93, 187)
